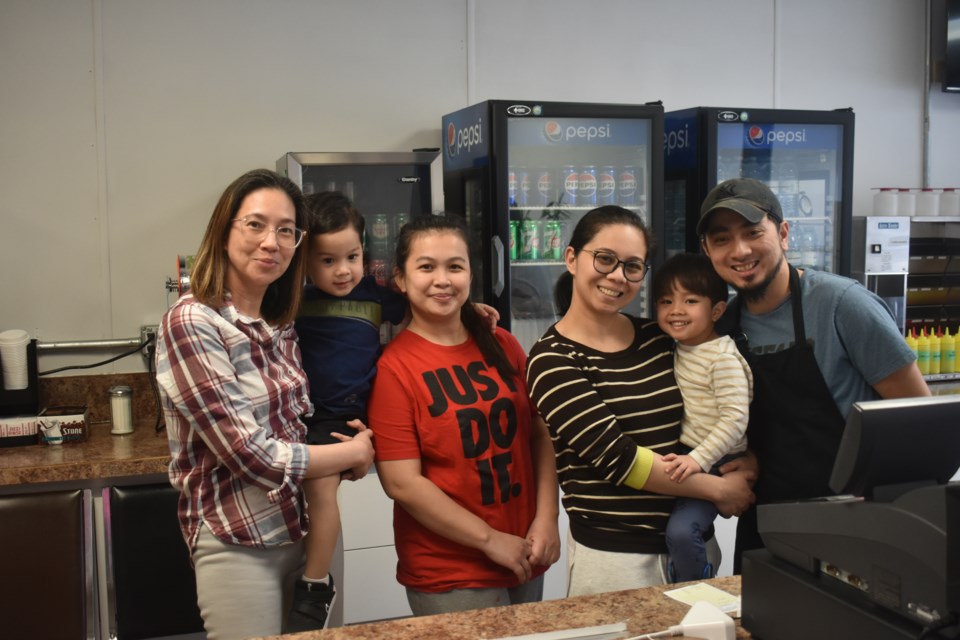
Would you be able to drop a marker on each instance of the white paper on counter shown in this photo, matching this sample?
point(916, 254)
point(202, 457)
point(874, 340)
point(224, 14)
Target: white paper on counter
point(701, 591)
point(602, 632)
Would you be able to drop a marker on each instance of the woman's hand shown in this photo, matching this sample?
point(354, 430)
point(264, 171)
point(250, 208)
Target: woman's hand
point(363, 445)
point(510, 551)
point(680, 467)
point(544, 539)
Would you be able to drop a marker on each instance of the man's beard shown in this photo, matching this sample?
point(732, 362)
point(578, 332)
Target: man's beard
point(756, 293)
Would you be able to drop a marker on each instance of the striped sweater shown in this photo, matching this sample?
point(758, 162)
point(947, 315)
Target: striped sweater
point(600, 407)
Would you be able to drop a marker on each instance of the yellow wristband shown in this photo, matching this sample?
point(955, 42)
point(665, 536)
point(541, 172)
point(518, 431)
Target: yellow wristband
point(640, 471)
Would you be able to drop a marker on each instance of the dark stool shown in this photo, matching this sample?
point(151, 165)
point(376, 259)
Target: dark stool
point(154, 584)
point(43, 589)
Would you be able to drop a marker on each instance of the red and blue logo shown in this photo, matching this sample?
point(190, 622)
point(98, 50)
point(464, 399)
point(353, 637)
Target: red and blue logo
point(553, 131)
point(451, 139)
point(756, 136)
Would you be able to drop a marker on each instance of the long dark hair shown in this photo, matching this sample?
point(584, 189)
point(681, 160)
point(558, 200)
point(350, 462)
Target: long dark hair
point(588, 227)
point(491, 350)
point(208, 277)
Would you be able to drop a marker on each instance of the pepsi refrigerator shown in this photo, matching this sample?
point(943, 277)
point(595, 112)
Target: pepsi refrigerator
point(805, 157)
point(524, 172)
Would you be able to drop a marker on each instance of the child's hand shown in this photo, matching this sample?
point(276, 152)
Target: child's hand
point(680, 467)
point(488, 314)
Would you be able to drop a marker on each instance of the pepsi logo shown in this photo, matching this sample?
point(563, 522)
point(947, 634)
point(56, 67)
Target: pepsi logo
point(755, 135)
point(451, 138)
point(553, 131)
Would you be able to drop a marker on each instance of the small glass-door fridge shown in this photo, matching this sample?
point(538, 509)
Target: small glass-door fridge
point(805, 157)
point(387, 188)
point(524, 172)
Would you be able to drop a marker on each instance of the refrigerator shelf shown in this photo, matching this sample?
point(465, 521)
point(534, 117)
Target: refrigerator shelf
point(536, 263)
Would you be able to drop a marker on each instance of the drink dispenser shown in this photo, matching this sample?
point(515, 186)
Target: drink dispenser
point(881, 260)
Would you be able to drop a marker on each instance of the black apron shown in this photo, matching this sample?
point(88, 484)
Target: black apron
point(794, 426)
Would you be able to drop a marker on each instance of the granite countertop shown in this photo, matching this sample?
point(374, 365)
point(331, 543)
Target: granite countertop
point(644, 610)
point(102, 455)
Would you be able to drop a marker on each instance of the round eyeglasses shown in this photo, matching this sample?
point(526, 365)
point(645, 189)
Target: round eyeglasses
point(606, 262)
point(253, 229)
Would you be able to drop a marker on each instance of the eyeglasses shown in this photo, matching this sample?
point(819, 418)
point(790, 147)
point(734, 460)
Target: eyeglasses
point(287, 237)
point(606, 262)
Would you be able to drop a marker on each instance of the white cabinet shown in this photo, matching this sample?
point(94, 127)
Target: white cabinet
point(369, 585)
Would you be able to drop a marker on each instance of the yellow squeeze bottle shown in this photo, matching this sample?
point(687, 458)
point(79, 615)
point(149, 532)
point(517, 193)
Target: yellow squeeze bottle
point(948, 353)
point(912, 341)
point(934, 351)
point(923, 352)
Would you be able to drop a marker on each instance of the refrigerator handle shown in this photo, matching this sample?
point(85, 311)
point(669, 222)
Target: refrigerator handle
point(496, 251)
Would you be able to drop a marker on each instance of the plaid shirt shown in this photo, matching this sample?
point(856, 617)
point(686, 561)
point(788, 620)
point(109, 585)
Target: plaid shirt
point(233, 390)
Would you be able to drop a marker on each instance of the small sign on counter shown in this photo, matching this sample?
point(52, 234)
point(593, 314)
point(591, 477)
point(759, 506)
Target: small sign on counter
point(62, 425)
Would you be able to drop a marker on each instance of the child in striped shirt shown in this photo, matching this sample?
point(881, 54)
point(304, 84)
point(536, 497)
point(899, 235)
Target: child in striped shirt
point(716, 385)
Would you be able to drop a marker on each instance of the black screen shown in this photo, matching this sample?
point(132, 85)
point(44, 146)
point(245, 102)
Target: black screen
point(951, 68)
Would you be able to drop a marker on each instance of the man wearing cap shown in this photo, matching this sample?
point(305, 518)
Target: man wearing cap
point(816, 343)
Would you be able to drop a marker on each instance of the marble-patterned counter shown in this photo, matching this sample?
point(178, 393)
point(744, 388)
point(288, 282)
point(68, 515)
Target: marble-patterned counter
point(143, 453)
point(643, 610)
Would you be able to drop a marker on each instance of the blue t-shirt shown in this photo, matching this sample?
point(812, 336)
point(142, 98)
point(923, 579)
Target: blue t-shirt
point(340, 343)
point(855, 339)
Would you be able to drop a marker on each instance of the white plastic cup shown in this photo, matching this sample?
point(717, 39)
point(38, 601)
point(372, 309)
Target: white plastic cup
point(13, 358)
point(906, 202)
point(885, 202)
point(928, 202)
point(950, 202)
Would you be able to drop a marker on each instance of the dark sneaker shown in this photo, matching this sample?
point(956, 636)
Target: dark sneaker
point(311, 606)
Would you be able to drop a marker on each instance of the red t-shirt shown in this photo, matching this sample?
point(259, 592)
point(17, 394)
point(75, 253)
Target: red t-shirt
point(471, 431)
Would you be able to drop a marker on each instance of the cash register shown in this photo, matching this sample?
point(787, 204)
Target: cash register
point(881, 558)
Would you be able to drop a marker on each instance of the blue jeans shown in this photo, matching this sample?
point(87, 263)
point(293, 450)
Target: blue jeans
point(690, 520)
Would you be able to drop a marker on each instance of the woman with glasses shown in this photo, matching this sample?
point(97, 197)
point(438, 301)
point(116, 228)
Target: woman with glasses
point(233, 391)
point(604, 383)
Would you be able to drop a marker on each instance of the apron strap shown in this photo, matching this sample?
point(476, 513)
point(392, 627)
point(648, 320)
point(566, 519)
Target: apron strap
point(799, 332)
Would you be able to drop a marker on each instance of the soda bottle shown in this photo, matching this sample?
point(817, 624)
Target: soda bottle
point(542, 191)
point(523, 188)
point(789, 189)
point(512, 187)
point(531, 235)
point(809, 247)
point(514, 234)
point(380, 229)
point(402, 218)
point(553, 240)
point(627, 186)
point(587, 188)
point(570, 184)
point(607, 185)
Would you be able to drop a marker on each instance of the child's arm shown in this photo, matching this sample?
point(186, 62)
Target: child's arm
point(488, 314)
point(732, 390)
point(680, 467)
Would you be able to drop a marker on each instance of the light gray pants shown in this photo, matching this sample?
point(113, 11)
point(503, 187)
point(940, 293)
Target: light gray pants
point(242, 591)
point(591, 571)
point(428, 604)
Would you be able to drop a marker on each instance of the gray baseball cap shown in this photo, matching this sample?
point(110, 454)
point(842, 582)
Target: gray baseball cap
point(750, 198)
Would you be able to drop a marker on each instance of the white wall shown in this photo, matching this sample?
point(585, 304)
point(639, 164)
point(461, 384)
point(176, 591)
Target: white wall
point(121, 121)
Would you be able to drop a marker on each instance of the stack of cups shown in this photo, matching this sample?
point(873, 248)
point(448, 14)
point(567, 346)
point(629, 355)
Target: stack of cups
point(950, 202)
point(13, 358)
